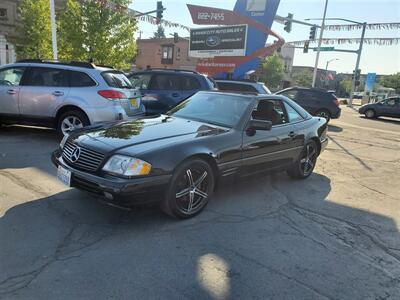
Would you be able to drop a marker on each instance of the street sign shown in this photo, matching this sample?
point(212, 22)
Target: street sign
point(325, 49)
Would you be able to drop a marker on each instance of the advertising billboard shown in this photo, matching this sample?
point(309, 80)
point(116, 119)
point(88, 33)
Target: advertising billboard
point(218, 41)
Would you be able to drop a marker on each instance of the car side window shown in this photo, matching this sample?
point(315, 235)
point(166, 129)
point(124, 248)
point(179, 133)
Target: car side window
point(165, 82)
point(140, 81)
point(293, 115)
point(391, 102)
point(51, 77)
point(291, 94)
point(80, 79)
point(270, 110)
point(308, 96)
point(11, 76)
point(189, 83)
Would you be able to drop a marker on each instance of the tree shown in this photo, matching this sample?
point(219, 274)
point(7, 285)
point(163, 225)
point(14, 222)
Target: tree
point(303, 78)
point(159, 34)
point(272, 71)
point(391, 81)
point(345, 85)
point(98, 30)
point(34, 30)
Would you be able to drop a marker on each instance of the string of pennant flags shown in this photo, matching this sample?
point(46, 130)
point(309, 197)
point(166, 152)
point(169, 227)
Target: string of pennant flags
point(371, 26)
point(165, 23)
point(340, 41)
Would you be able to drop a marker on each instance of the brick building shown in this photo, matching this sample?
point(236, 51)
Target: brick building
point(164, 53)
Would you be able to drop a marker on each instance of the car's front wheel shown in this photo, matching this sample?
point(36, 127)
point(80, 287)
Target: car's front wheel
point(370, 113)
point(305, 165)
point(191, 187)
point(72, 120)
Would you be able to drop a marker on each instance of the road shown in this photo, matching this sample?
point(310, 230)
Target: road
point(332, 236)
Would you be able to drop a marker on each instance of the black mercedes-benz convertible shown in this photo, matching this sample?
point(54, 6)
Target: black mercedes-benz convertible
point(177, 159)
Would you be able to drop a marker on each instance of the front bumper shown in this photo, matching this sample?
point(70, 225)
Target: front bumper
point(118, 191)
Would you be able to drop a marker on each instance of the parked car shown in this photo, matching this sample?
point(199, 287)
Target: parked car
point(242, 86)
point(163, 89)
point(178, 158)
point(65, 96)
point(317, 102)
point(389, 107)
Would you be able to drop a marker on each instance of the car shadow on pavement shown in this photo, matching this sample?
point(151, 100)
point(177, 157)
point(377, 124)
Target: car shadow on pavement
point(265, 237)
point(334, 128)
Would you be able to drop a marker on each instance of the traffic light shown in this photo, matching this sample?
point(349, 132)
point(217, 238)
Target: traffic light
point(306, 45)
point(288, 23)
point(358, 73)
point(176, 37)
point(160, 9)
point(313, 31)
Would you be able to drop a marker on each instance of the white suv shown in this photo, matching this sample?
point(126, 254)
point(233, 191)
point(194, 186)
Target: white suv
point(65, 96)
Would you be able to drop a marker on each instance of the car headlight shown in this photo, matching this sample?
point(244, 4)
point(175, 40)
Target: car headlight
point(127, 166)
point(63, 141)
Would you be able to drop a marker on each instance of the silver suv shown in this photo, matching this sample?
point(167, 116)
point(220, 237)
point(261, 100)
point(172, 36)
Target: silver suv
point(65, 96)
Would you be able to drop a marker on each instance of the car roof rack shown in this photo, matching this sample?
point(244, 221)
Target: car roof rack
point(173, 70)
point(234, 92)
point(82, 64)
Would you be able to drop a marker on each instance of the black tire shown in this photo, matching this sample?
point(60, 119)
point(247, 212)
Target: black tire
point(324, 113)
point(298, 170)
point(72, 114)
point(370, 114)
point(189, 203)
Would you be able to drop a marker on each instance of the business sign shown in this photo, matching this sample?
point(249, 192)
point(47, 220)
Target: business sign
point(218, 41)
point(370, 81)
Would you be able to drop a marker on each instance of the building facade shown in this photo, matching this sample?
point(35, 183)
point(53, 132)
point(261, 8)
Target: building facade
point(164, 53)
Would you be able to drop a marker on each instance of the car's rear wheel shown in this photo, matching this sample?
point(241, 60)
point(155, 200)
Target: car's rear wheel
point(370, 114)
point(305, 165)
point(191, 187)
point(324, 114)
point(72, 120)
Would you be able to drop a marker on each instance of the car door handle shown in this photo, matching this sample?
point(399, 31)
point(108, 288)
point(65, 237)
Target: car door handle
point(11, 92)
point(175, 95)
point(58, 93)
point(292, 134)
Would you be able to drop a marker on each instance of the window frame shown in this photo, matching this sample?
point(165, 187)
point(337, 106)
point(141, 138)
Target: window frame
point(168, 60)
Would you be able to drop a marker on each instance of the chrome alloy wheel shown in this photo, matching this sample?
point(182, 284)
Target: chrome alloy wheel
point(192, 190)
point(70, 123)
point(307, 162)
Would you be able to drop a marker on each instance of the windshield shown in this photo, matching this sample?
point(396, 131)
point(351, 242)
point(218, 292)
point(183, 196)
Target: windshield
point(116, 79)
point(217, 109)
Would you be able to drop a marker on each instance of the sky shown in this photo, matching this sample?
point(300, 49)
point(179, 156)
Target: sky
point(378, 59)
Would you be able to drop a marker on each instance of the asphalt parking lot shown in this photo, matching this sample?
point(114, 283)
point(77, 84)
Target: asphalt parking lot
point(332, 236)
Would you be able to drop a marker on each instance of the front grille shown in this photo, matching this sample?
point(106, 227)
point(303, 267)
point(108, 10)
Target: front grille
point(89, 160)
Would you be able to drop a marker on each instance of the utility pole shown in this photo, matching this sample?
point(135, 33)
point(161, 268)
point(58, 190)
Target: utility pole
point(321, 34)
point(353, 84)
point(53, 29)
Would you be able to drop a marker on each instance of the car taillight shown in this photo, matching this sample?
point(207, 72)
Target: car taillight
point(111, 94)
point(336, 100)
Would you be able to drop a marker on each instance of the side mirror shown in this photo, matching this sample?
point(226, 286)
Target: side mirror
point(255, 124)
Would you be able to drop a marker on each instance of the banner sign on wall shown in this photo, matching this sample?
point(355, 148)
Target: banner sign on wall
point(370, 82)
point(218, 41)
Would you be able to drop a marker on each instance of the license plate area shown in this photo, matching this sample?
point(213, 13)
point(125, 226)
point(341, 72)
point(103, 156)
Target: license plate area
point(64, 175)
point(133, 102)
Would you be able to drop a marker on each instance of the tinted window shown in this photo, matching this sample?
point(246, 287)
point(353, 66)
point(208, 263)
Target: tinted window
point(309, 96)
point(293, 115)
point(291, 94)
point(116, 79)
point(225, 110)
point(165, 82)
point(270, 110)
point(48, 77)
point(79, 79)
point(390, 102)
point(189, 83)
point(11, 76)
point(140, 81)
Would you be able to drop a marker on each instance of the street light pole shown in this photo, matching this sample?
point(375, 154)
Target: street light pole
point(319, 45)
point(328, 62)
point(53, 29)
point(353, 84)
